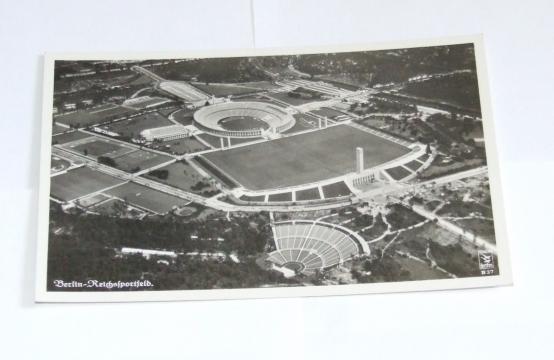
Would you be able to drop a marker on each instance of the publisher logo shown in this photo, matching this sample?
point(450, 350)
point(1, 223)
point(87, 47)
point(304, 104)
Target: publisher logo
point(486, 262)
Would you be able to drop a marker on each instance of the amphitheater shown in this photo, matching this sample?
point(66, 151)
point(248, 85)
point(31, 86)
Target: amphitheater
point(209, 119)
point(310, 246)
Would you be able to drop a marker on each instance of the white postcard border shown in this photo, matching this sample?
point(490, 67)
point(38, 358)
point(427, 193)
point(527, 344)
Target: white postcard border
point(505, 272)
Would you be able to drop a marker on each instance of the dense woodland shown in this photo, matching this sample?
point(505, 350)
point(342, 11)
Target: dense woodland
point(460, 89)
point(86, 247)
point(391, 65)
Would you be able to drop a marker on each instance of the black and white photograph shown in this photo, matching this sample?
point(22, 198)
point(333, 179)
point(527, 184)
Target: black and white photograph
point(276, 179)
point(269, 174)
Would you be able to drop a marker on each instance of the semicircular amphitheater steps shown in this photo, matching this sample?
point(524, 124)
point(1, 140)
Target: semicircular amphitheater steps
point(312, 245)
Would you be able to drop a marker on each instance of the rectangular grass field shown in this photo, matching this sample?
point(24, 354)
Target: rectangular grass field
point(132, 127)
point(93, 116)
point(146, 197)
point(304, 158)
point(95, 147)
point(68, 137)
point(80, 182)
point(139, 160)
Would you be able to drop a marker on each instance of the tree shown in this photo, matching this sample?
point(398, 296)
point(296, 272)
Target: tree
point(106, 160)
point(162, 174)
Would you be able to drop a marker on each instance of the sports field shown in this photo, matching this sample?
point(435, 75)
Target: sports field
point(180, 146)
point(80, 182)
point(95, 115)
point(95, 147)
point(132, 127)
point(147, 198)
point(237, 123)
point(68, 137)
point(304, 158)
point(139, 160)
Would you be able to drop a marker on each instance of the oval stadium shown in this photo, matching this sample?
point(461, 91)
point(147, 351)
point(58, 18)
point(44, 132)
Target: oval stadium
point(243, 119)
point(310, 246)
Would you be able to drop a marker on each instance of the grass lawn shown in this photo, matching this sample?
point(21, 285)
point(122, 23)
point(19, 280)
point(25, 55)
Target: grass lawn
point(236, 141)
point(68, 137)
point(97, 147)
point(109, 208)
point(183, 176)
point(238, 123)
point(423, 158)
point(147, 198)
point(259, 198)
point(212, 140)
point(304, 158)
point(57, 129)
point(398, 173)
point(280, 197)
point(180, 146)
point(184, 116)
point(308, 194)
point(92, 200)
point(413, 165)
point(303, 122)
point(139, 159)
point(335, 190)
point(132, 127)
point(80, 182)
point(93, 116)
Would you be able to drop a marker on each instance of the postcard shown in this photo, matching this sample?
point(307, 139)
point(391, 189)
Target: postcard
point(269, 173)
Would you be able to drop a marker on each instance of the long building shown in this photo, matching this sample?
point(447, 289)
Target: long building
point(164, 133)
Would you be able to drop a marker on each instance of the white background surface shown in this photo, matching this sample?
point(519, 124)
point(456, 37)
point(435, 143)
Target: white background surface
point(510, 322)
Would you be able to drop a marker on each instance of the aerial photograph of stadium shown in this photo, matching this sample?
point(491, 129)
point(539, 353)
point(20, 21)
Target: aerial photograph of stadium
point(269, 171)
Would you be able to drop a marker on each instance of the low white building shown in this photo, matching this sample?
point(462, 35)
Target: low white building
point(163, 133)
point(104, 131)
point(147, 252)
